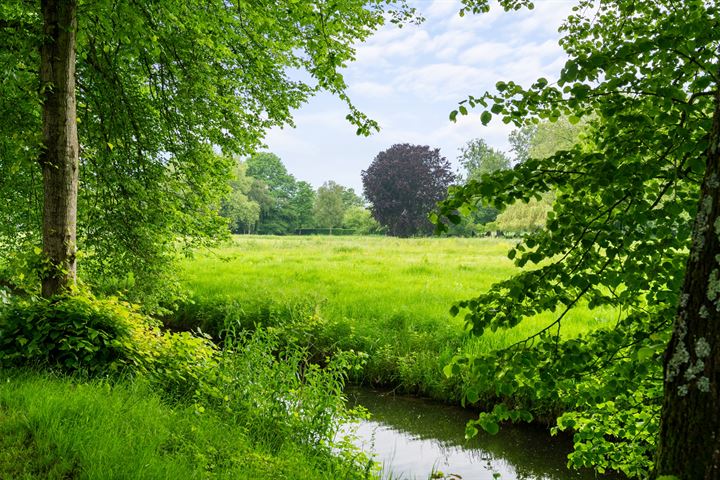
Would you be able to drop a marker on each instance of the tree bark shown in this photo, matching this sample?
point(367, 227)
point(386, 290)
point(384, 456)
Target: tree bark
point(689, 445)
point(59, 157)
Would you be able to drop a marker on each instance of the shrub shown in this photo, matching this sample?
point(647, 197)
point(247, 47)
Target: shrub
point(81, 333)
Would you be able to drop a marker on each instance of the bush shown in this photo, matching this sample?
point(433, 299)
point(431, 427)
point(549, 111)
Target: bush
point(80, 333)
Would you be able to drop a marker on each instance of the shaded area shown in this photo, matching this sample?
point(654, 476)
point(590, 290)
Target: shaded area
point(413, 437)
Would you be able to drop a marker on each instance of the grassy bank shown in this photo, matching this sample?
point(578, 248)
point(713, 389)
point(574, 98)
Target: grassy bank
point(61, 428)
point(386, 297)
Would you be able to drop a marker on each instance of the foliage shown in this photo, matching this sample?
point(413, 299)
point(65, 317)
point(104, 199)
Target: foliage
point(241, 212)
point(403, 183)
point(537, 141)
point(619, 231)
point(270, 382)
point(521, 217)
point(80, 333)
point(332, 201)
point(302, 204)
point(361, 221)
point(158, 86)
point(478, 159)
point(285, 203)
point(329, 206)
point(59, 427)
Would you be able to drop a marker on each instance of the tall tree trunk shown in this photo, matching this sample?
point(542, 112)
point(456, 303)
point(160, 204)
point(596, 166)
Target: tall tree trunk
point(59, 158)
point(690, 424)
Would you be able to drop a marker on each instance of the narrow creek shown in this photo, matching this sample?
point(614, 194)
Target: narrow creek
point(413, 437)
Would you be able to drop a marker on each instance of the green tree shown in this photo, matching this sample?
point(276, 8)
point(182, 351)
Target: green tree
point(302, 203)
point(360, 220)
point(538, 141)
point(285, 203)
point(241, 212)
point(478, 159)
point(154, 86)
point(632, 227)
point(329, 205)
point(332, 201)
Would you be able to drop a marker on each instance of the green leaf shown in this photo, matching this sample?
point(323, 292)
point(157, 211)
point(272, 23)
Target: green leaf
point(472, 395)
point(489, 425)
point(644, 353)
point(485, 117)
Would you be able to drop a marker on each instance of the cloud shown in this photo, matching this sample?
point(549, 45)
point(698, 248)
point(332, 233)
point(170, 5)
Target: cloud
point(440, 8)
point(371, 89)
point(409, 79)
point(442, 81)
point(389, 44)
point(485, 53)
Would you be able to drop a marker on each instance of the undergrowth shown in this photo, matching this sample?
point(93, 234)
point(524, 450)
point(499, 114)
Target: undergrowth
point(93, 388)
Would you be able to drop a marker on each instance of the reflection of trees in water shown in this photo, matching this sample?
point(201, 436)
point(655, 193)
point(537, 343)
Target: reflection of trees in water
point(526, 451)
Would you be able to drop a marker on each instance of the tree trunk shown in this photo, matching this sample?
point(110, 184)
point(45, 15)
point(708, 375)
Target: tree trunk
point(689, 445)
point(59, 157)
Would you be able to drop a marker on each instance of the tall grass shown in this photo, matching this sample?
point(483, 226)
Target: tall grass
point(278, 417)
point(387, 297)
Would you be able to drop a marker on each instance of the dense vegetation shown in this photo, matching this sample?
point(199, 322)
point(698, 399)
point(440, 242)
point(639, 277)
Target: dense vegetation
point(265, 198)
point(385, 297)
point(140, 97)
point(633, 226)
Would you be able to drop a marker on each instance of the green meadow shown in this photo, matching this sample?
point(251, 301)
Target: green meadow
point(386, 297)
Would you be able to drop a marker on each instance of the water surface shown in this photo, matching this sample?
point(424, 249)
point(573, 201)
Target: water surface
point(414, 437)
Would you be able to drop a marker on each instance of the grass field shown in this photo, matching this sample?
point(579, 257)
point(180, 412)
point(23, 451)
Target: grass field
point(384, 296)
point(62, 428)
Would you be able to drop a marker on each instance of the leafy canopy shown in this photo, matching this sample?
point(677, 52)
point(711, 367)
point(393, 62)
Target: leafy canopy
point(643, 76)
point(161, 86)
point(403, 183)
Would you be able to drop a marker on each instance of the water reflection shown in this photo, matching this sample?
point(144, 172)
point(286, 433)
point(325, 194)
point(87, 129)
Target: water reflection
point(413, 437)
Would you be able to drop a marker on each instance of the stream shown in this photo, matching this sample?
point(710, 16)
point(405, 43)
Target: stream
point(414, 437)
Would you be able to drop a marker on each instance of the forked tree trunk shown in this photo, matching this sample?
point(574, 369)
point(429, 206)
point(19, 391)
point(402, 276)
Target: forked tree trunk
point(690, 424)
point(59, 158)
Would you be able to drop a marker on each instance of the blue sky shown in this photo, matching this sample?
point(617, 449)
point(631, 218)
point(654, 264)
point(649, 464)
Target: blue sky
point(409, 80)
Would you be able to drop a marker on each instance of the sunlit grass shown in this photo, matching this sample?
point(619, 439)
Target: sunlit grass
point(64, 428)
point(385, 295)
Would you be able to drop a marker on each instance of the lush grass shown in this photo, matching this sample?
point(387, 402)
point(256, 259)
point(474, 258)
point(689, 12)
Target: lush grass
point(60, 428)
point(384, 296)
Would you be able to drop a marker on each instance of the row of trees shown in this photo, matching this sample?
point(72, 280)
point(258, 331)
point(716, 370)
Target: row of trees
point(265, 198)
point(403, 185)
point(405, 182)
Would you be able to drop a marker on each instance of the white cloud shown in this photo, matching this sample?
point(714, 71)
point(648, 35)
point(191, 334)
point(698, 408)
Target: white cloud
point(440, 8)
point(442, 81)
point(371, 89)
point(409, 79)
point(485, 53)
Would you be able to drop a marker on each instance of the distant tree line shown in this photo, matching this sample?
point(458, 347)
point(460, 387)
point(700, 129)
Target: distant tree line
point(401, 188)
point(266, 199)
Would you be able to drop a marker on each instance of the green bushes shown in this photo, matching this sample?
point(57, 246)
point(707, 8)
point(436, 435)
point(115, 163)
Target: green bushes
point(266, 393)
point(61, 428)
point(80, 333)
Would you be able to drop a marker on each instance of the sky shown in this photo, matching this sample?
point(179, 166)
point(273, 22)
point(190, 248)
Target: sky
point(409, 79)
